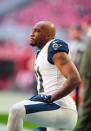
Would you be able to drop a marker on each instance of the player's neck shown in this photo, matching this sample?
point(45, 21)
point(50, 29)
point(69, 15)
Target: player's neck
point(42, 45)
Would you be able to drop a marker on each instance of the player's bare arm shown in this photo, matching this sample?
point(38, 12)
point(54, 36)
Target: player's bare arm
point(68, 69)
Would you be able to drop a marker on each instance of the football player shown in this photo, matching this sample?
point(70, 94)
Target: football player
point(56, 77)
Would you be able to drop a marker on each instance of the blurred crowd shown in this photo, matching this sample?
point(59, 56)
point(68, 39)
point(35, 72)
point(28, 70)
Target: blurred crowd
point(16, 65)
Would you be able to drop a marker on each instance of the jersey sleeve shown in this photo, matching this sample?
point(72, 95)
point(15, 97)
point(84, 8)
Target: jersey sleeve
point(56, 46)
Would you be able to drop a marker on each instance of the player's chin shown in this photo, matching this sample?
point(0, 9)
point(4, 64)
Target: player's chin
point(32, 44)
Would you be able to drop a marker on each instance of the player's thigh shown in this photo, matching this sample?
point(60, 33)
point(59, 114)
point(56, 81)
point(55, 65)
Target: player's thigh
point(49, 115)
point(43, 118)
point(41, 113)
point(19, 108)
point(58, 118)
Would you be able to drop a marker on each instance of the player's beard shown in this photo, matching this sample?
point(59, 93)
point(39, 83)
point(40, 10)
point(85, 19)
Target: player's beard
point(32, 42)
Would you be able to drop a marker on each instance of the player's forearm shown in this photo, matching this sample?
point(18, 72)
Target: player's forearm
point(67, 87)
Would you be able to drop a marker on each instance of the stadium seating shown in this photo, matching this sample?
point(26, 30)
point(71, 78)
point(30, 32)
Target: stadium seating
point(62, 13)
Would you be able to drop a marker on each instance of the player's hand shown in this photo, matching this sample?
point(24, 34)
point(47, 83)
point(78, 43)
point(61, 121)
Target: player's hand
point(46, 98)
point(42, 98)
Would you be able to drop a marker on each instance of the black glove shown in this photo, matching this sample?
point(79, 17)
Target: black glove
point(41, 98)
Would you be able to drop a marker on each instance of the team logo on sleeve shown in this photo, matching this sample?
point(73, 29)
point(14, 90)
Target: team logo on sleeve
point(56, 46)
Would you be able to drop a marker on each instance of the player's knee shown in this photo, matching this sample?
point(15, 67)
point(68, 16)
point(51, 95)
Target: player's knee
point(14, 110)
point(17, 110)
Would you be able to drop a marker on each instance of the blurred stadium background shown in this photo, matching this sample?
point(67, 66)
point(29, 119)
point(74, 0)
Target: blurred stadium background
point(17, 80)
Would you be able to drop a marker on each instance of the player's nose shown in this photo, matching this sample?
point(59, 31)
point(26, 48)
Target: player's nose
point(32, 35)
